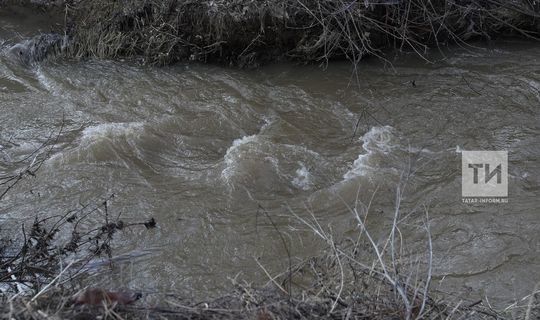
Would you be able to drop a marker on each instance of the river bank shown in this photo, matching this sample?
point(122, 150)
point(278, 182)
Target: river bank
point(250, 33)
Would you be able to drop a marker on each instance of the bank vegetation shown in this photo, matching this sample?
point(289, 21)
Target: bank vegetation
point(252, 32)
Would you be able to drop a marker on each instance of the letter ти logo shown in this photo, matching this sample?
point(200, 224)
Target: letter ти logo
point(484, 176)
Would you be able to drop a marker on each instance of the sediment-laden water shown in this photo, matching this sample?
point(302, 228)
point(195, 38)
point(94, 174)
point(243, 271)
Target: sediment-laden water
point(202, 148)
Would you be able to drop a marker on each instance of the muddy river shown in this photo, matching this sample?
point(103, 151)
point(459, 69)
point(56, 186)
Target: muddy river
point(202, 148)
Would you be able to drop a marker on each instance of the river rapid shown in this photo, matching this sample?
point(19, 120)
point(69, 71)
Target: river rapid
point(202, 148)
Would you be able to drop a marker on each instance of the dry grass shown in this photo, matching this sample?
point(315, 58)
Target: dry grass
point(246, 32)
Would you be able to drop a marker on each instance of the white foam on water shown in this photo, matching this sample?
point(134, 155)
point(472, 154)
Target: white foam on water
point(110, 131)
point(377, 140)
point(232, 156)
point(98, 135)
point(254, 159)
point(303, 177)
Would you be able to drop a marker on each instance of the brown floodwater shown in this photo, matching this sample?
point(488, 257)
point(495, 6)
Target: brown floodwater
point(201, 148)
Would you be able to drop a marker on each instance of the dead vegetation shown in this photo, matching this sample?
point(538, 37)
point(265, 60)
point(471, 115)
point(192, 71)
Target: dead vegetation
point(247, 33)
point(43, 263)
